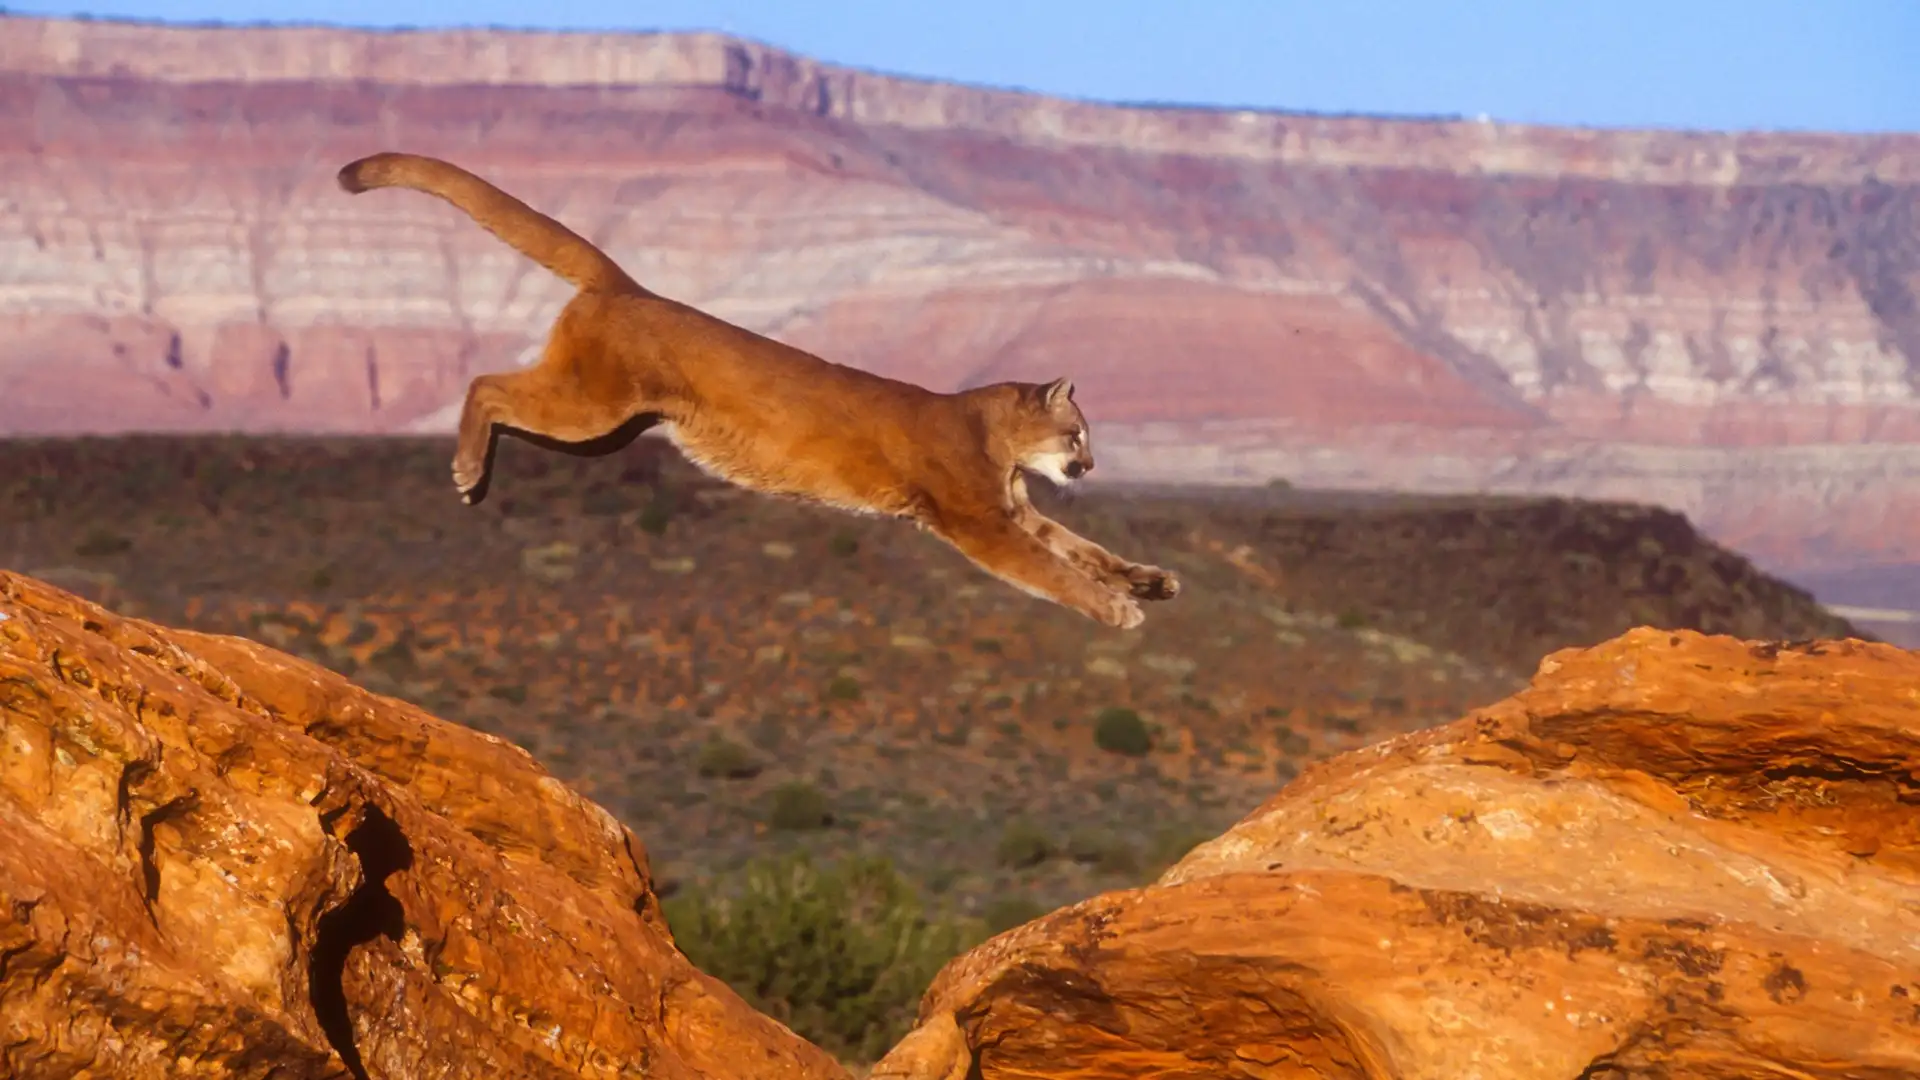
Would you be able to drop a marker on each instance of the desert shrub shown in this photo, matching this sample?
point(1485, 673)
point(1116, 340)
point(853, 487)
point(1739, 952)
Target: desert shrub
point(605, 502)
point(843, 545)
point(839, 953)
point(397, 659)
point(1172, 844)
point(1023, 844)
point(656, 514)
point(1292, 743)
point(843, 688)
point(1352, 619)
point(1121, 731)
point(1003, 913)
point(797, 805)
point(100, 542)
point(1102, 850)
point(728, 759)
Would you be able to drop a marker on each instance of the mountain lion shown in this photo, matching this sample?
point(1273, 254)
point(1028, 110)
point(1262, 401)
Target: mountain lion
point(775, 419)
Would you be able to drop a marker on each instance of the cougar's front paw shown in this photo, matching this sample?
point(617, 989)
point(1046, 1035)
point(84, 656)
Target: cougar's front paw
point(1122, 613)
point(1152, 583)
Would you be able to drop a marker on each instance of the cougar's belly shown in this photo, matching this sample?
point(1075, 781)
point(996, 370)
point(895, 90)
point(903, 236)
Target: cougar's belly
point(845, 480)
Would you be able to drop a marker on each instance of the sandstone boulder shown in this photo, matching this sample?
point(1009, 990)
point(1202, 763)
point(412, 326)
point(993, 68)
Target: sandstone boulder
point(1673, 855)
point(218, 859)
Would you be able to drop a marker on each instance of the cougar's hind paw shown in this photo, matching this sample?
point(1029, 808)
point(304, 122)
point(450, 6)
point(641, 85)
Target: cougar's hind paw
point(470, 482)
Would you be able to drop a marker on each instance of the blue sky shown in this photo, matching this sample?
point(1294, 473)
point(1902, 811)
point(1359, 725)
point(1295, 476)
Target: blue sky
point(1842, 65)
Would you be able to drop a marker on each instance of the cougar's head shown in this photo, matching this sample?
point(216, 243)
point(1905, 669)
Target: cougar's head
point(1053, 436)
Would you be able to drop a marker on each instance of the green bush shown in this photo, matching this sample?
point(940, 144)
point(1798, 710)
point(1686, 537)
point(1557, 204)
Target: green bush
point(605, 502)
point(797, 806)
point(1103, 851)
point(100, 542)
point(1023, 844)
point(1172, 844)
point(512, 694)
point(656, 514)
point(1121, 731)
point(840, 953)
point(1003, 913)
point(728, 759)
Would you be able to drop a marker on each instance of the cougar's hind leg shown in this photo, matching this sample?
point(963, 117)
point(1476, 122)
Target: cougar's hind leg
point(488, 401)
point(553, 400)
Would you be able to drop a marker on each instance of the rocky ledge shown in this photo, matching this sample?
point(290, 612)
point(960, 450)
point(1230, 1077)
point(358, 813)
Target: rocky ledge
point(221, 860)
point(1674, 854)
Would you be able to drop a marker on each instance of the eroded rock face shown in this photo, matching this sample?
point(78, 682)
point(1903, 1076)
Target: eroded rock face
point(1673, 855)
point(221, 859)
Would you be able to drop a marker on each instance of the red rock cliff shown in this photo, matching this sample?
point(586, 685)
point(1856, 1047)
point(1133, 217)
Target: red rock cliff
point(1722, 323)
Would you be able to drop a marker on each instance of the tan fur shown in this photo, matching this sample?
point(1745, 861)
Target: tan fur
point(776, 419)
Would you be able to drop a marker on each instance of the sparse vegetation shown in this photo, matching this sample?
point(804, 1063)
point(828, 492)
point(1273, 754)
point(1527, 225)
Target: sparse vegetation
point(840, 953)
point(1023, 845)
point(797, 806)
point(656, 515)
point(605, 502)
point(843, 544)
point(1172, 843)
point(511, 693)
point(1103, 850)
point(726, 759)
point(624, 678)
point(100, 543)
point(1003, 913)
point(1121, 731)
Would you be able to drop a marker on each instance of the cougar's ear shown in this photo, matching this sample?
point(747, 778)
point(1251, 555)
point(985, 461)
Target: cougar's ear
point(1057, 393)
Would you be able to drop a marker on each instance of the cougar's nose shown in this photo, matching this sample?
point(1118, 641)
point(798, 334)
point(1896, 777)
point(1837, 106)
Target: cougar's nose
point(1075, 469)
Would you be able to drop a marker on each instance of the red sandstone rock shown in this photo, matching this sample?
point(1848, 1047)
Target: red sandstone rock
point(1673, 855)
point(223, 860)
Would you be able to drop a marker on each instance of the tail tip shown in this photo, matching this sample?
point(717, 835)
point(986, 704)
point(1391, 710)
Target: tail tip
point(354, 178)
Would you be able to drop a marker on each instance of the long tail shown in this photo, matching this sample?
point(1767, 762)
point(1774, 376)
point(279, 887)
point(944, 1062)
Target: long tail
point(536, 235)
